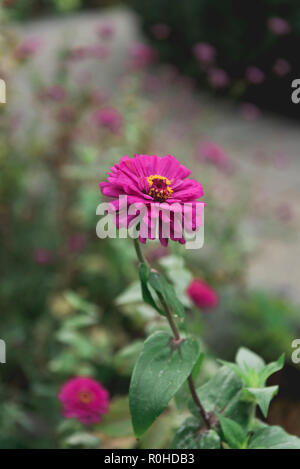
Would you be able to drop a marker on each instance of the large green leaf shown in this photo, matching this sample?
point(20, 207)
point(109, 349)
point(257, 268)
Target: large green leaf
point(190, 436)
point(160, 371)
point(222, 393)
point(273, 438)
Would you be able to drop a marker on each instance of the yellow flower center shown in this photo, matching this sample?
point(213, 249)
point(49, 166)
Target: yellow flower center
point(159, 187)
point(85, 397)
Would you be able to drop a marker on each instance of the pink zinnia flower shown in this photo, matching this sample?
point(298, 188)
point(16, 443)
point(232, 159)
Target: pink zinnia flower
point(218, 78)
point(109, 118)
point(160, 31)
point(204, 52)
point(160, 185)
point(27, 48)
point(255, 75)
point(142, 56)
point(84, 399)
point(279, 26)
point(202, 294)
point(281, 67)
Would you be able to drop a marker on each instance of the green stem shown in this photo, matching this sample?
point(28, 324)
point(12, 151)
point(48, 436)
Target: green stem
point(176, 334)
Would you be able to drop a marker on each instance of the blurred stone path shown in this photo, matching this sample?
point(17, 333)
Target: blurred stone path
point(277, 263)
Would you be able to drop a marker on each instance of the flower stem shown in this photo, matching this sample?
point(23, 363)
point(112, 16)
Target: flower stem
point(176, 334)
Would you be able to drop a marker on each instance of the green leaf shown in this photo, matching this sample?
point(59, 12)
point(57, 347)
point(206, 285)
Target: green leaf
point(160, 371)
point(247, 360)
point(162, 286)
point(190, 436)
point(144, 273)
point(222, 393)
point(273, 438)
point(271, 368)
point(262, 396)
point(234, 435)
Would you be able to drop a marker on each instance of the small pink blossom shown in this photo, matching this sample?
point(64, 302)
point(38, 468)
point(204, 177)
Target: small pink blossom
point(77, 243)
point(105, 31)
point(27, 48)
point(142, 56)
point(218, 78)
point(249, 111)
point(210, 152)
point(255, 75)
point(202, 295)
point(56, 93)
point(205, 53)
point(161, 31)
point(109, 118)
point(42, 256)
point(85, 399)
point(279, 26)
point(281, 67)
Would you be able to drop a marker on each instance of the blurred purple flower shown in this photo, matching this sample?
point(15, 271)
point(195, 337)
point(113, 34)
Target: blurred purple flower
point(205, 53)
point(278, 26)
point(142, 55)
point(161, 31)
point(42, 256)
point(56, 93)
point(212, 153)
point(77, 243)
point(255, 75)
point(109, 118)
point(218, 78)
point(27, 48)
point(281, 67)
point(105, 31)
point(249, 111)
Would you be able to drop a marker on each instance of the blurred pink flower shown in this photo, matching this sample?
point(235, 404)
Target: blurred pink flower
point(160, 31)
point(249, 111)
point(218, 78)
point(284, 212)
point(142, 56)
point(105, 31)
point(77, 243)
point(279, 26)
point(66, 114)
point(156, 182)
point(42, 256)
point(210, 152)
point(98, 51)
point(281, 67)
point(204, 52)
point(109, 118)
point(202, 295)
point(27, 48)
point(255, 75)
point(85, 399)
point(56, 93)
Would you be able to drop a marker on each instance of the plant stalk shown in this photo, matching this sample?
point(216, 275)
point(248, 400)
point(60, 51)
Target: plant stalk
point(176, 334)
